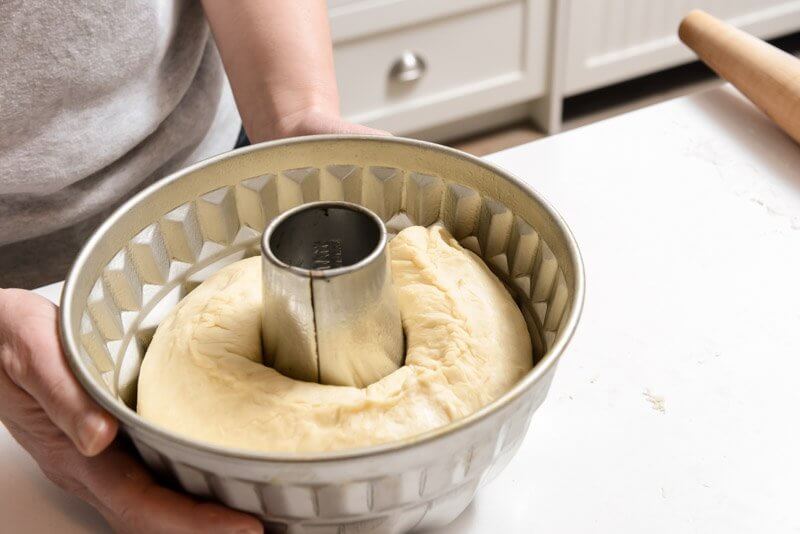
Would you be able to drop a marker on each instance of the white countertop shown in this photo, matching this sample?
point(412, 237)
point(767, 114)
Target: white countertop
point(675, 409)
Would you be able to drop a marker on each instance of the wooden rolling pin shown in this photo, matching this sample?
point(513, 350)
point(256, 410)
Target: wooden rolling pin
point(768, 76)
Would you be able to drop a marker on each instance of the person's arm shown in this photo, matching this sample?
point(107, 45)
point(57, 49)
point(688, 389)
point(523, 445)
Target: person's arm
point(278, 57)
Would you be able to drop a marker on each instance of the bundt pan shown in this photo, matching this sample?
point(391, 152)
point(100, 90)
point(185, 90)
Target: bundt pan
point(171, 236)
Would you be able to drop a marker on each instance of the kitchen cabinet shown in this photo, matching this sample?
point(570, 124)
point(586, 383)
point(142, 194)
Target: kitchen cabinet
point(408, 65)
point(609, 41)
point(440, 69)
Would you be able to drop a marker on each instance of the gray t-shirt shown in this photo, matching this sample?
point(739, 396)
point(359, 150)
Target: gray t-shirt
point(98, 99)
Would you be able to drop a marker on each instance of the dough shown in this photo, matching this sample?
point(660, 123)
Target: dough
point(466, 344)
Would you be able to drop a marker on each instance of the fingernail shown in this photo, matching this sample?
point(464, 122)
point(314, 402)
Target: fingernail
point(90, 431)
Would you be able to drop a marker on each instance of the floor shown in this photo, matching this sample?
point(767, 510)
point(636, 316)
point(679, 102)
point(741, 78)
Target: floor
point(610, 101)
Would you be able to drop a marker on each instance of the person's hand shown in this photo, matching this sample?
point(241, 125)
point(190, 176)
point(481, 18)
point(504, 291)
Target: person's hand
point(70, 437)
point(313, 121)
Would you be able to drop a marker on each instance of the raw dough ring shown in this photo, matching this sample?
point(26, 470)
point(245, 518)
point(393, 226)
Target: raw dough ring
point(466, 344)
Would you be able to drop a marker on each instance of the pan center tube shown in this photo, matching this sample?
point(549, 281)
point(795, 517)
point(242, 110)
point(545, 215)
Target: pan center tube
point(330, 313)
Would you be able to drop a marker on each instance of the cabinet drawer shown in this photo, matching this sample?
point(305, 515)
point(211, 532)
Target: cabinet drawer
point(352, 19)
point(444, 60)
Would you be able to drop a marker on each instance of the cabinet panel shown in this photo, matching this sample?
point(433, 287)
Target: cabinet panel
point(613, 40)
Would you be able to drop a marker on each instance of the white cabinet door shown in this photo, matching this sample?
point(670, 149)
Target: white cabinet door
point(613, 40)
point(461, 59)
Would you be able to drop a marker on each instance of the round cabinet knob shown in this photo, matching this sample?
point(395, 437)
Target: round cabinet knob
point(408, 67)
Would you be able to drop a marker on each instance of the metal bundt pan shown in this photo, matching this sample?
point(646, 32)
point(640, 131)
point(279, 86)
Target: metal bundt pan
point(168, 238)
